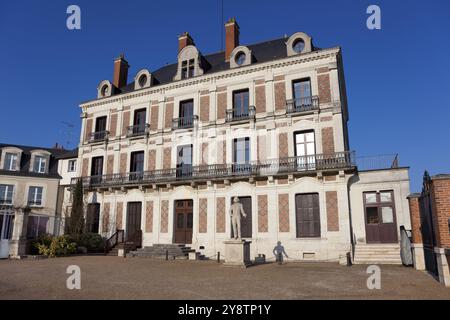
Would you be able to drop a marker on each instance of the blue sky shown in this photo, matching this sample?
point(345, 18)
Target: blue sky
point(397, 77)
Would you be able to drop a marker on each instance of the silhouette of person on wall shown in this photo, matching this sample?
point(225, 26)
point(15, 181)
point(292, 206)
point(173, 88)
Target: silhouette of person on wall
point(278, 251)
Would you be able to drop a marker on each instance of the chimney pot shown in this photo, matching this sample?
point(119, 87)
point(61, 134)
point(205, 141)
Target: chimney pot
point(120, 71)
point(231, 37)
point(185, 40)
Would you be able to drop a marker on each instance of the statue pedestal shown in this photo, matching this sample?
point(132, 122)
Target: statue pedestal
point(237, 253)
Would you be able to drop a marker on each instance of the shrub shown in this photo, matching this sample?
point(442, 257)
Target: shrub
point(59, 246)
point(93, 242)
point(44, 239)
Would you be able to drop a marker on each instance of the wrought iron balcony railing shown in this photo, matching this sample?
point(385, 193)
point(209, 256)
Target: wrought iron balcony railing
point(187, 173)
point(138, 130)
point(238, 114)
point(302, 104)
point(184, 122)
point(99, 136)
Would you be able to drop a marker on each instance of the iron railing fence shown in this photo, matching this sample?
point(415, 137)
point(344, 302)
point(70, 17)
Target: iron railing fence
point(302, 104)
point(138, 130)
point(290, 165)
point(184, 122)
point(99, 136)
point(386, 161)
point(236, 114)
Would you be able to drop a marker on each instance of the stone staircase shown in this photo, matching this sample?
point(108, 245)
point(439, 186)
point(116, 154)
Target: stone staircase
point(377, 254)
point(158, 251)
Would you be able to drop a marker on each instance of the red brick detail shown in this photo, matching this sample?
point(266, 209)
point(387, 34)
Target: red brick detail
point(280, 95)
point(113, 125)
point(204, 154)
point(184, 40)
point(440, 191)
point(119, 215)
point(231, 38)
point(283, 149)
point(283, 181)
point(330, 178)
point(261, 145)
point(414, 211)
point(204, 108)
point(221, 152)
point(120, 72)
point(221, 105)
point(85, 167)
point(261, 183)
point(332, 211)
point(123, 163)
point(169, 116)
point(325, 119)
point(110, 164)
point(260, 98)
point(164, 216)
point(88, 130)
point(105, 217)
point(323, 70)
point(154, 118)
point(327, 140)
point(323, 81)
point(263, 219)
point(125, 122)
point(167, 158)
point(149, 217)
point(151, 164)
point(203, 215)
point(283, 212)
point(220, 215)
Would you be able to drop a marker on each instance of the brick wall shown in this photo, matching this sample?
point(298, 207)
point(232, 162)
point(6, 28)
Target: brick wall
point(203, 215)
point(88, 130)
point(113, 125)
point(119, 215)
point(164, 216)
point(221, 102)
point(260, 96)
point(283, 149)
point(154, 118)
point(283, 212)
point(85, 168)
point(323, 81)
point(204, 106)
point(332, 211)
point(220, 215)
point(110, 164)
point(263, 220)
point(149, 217)
point(125, 122)
point(123, 163)
point(167, 156)
point(151, 164)
point(414, 211)
point(440, 191)
point(280, 93)
point(327, 140)
point(105, 217)
point(169, 115)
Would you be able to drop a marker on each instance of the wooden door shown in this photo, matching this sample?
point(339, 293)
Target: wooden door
point(307, 215)
point(93, 217)
point(246, 223)
point(184, 217)
point(379, 214)
point(133, 226)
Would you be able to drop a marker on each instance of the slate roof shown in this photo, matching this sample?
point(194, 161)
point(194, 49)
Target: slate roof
point(26, 159)
point(261, 52)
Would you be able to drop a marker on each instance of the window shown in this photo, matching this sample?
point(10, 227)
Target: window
point(305, 150)
point(35, 196)
point(241, 155)
point(307, 214)
point(6, 194)
point(184, 160)
point(72, 166)
point(100, 124)
point(379, 207)
point(6, 226)
point(93, 217)
point(302, 93)
point(137, 165)
point(299, 45)
point(240, 103)
point(36, 227)
point(142, 80)
point(187, 69)
point(240, 58)
point(10, 162)
point(97, 169)
point(139, 121)
point(186, 114)
point(105, 90)
point(40, 163)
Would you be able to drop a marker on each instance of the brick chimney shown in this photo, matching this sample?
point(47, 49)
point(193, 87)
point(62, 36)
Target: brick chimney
point(184, 40)
point(120, 71)
point(231, 37)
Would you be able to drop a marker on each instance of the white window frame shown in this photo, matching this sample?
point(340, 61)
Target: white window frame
point(36, 195)
point(12, 165)
point(7, 191)
point(42, 166)
point(70, 164)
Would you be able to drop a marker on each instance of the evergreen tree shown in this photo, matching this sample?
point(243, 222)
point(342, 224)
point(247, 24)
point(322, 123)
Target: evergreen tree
point(76, 220)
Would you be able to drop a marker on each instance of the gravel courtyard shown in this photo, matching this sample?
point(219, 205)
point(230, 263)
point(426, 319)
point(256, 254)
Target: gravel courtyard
point(137, 278)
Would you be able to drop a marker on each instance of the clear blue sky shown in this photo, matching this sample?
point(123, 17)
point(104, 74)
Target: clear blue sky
point(398, 80)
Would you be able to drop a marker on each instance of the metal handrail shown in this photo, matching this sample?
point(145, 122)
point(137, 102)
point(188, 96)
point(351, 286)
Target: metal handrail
point(271, 167)
point(137, 130)
point(235, 114)
point(115, 239)
point(302, 104)
point(99, 136)
point(184, 122)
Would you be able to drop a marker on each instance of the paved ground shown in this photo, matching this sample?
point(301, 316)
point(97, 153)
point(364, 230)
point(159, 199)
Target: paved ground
point(137, 278)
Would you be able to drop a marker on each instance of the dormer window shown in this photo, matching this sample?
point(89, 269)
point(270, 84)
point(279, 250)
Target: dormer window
point(10, 162)
point(299, 45)
point(187, 69)
point(40, 164)
point(240, 56)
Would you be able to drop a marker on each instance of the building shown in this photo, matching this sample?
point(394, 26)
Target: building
point(162, 156)
point(430, 222)
point(29, 197)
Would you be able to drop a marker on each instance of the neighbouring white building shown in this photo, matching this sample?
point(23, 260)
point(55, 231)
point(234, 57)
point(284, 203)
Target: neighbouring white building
point(162, 156)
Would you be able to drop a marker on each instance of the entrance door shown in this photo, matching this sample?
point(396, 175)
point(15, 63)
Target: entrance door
point(379, 210)
point(6, 230)
point(307, 215)
point(184, 218)
point(93, 217)
point(246, 223)
point(133, 229)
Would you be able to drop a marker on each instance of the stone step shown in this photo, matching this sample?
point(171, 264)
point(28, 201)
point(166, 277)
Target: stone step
point(378, 261)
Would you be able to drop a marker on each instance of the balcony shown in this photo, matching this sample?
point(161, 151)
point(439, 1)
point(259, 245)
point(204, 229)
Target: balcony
point(99, 136)
point(138, 130)
point(302, 104)
point(240, 115)
point(273, 167)
point(184, 122)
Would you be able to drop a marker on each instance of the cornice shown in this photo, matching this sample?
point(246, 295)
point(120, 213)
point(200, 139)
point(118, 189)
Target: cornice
point(211, 78)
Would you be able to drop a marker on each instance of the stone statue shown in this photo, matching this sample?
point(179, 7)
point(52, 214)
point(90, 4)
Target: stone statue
point(235, 212)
